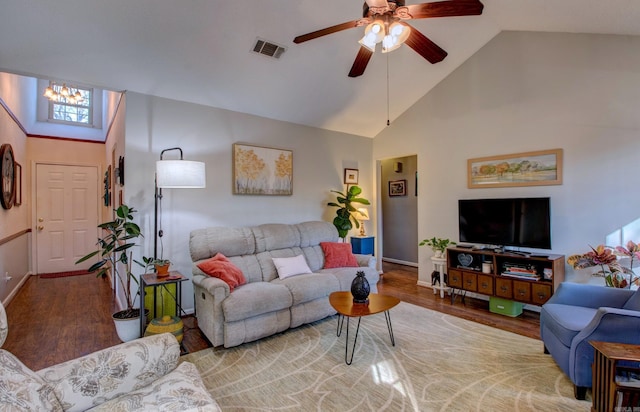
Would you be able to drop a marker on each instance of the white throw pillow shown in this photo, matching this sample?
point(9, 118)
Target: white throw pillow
point(291, 266)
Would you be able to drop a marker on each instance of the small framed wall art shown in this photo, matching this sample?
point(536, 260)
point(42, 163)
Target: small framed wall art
point(351, 176)
point(398, 187)
point(18, 176)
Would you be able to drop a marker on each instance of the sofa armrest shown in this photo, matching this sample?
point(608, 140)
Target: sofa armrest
point(612, 325)
point(85, 382)
point(214, 286)
point(590, 296)
point(608, 325)
point(366, 260)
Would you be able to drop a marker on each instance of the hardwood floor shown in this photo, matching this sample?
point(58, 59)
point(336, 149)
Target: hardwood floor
point(54, 320)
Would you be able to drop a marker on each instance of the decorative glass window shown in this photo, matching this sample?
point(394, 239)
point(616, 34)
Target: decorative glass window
point(70, 104)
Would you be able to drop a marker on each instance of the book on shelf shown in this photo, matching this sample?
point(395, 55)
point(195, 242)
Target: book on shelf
point(520, 275)
point(519, 271)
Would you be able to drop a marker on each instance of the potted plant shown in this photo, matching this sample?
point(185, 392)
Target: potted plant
point(438, 245)
point(115, 245)
point(162, 267)
point(344, 218)
point(611, 267)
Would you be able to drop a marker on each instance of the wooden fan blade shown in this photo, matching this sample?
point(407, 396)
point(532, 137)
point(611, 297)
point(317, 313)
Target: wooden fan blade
point(440, 9)
point(361, 61)
point(425, 47)
point(328, 30)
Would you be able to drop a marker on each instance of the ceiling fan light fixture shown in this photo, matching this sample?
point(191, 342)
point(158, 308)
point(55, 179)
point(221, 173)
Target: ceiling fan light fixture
point(398, 34)
point(373, 34)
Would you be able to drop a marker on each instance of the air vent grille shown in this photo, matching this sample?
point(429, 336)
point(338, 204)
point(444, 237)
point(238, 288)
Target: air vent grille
point(268, 48)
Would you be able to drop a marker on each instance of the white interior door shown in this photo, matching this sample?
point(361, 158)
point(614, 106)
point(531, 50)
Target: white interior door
point(66, 216)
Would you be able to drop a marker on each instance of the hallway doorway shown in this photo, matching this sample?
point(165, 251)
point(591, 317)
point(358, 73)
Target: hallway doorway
point(399, 205)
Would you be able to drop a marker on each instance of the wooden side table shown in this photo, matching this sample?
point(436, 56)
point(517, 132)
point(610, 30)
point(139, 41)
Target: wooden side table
point(343, 303)
point(605, 368)
point(151, 280)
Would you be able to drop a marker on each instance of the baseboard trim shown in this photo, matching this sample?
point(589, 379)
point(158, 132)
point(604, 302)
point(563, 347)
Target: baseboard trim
point(400, 262)
point(15, 290)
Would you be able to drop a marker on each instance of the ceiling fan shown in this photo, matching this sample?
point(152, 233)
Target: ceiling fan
point(384, 24)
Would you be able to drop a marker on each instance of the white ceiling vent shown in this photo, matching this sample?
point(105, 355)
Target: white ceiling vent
point(268, 48)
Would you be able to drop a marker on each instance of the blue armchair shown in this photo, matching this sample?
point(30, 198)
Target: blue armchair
point(579, 313)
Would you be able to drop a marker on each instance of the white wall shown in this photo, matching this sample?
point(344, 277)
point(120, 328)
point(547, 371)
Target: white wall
point(532, 91)
point(207, 134)
point(14, 222)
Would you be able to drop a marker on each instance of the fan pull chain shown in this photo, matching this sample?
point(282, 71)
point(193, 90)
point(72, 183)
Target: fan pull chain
point(388, 122)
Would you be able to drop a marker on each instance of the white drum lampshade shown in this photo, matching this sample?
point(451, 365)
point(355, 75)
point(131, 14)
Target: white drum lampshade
point(185, 174)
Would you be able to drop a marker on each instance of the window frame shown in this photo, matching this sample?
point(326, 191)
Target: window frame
point(89, 107)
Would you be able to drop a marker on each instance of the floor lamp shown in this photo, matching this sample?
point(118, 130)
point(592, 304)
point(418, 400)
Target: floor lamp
point(174, 174)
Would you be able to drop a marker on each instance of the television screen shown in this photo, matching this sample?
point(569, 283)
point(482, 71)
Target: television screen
point(521, 222)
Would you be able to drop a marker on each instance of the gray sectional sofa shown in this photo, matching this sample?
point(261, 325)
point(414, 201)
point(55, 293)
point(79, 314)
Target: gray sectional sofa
point(267, 304)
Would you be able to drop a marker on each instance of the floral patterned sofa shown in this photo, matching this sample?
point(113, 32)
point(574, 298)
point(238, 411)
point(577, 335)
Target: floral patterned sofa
point(140, 375)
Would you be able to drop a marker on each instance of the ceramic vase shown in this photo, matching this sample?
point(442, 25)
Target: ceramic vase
point(360, 288)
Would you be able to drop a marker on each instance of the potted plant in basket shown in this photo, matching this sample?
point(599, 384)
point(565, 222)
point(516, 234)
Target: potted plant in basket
point(438, 245)
point(344, 218)
point(115, 245)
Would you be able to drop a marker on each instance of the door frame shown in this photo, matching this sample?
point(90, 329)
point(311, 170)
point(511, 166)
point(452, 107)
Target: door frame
point(34, 199)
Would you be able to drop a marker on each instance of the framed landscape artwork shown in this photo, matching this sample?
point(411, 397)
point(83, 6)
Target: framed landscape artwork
point(262, 170)
point(538, 168)
point(398, 187)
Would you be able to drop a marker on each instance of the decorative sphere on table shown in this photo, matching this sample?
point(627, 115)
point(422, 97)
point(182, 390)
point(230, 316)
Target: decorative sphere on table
point(360, 288)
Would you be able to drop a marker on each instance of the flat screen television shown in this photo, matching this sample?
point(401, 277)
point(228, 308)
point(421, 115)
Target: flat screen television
point(520, 222)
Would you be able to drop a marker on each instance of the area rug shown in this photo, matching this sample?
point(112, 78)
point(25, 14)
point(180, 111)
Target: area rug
point(439, 363)
point(63, 274)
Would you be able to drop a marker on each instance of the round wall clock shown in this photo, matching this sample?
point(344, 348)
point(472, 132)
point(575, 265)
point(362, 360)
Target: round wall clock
point(7, 180)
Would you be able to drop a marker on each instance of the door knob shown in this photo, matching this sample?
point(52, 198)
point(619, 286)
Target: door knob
point(40, 220)
point(40, 227)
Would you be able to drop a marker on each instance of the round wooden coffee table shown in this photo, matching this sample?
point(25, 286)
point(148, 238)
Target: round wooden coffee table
point(343, 303)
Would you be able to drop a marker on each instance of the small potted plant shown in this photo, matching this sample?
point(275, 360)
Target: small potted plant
point(162, 267)
point(438, 245)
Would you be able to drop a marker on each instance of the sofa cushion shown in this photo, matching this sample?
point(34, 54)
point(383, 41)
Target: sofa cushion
point(206, 243)
point(275, 236)
point(312, 233)
point(21, 389)
point(310, 286)
point(180, 390)
point(255, 299)
point(338, 255)
point(345, 276)
point(220, 267)
point(634, 301)
point(85, 382)
point(291, 266)
point(566, 321)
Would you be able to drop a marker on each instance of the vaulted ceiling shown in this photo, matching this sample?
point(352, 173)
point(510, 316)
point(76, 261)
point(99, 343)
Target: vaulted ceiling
point(200, 51)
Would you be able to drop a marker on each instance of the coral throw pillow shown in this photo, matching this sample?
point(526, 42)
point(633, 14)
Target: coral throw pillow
point(338, 255)
point(221, 267)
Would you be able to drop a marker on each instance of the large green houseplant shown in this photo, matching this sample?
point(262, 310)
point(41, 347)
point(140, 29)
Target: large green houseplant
point(114, 250)
point(344, 214)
